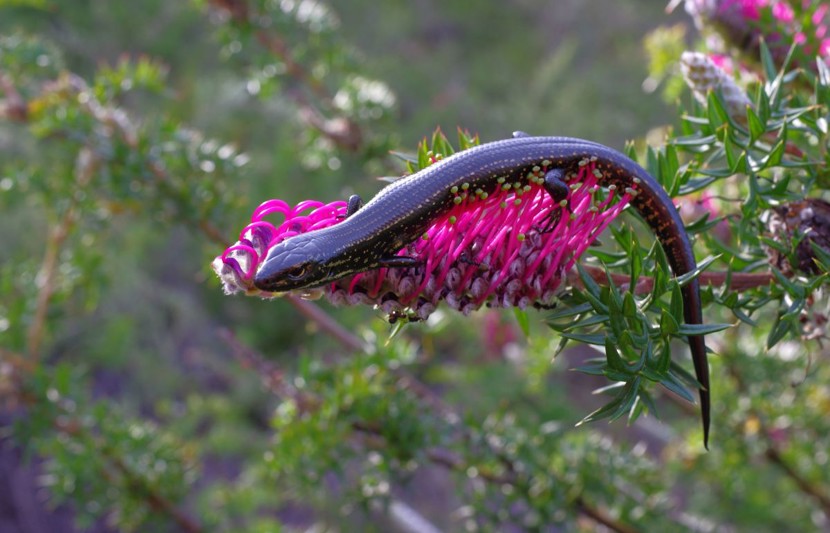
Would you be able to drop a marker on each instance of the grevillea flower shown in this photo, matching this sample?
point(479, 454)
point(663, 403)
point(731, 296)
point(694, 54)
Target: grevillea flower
point(804, 224)
point(511, 246)
point(743, 23)
point(702, 74)
point(736, 10)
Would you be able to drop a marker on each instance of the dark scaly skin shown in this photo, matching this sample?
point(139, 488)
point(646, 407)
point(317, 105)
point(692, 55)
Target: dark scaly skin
point(401, 212)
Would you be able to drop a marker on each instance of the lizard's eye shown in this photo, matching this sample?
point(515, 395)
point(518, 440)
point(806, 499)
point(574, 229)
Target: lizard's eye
point(298, 273)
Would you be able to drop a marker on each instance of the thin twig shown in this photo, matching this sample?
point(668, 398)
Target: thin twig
point(600, 516)
point(156, 501)
point(771, 452)
point(342, 130)
point(372, 437)
point(329, 325)
point(135, 482)
point(48, 280)
point(820, 496)
point(13, 106)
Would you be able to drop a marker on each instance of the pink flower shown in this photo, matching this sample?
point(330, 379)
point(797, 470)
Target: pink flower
point(783, 12)
point(742, 24)
point(819, 14)
point(497, 248)
point(723, 62)
point(238, 264)
point(748, 8)
point(706, 204)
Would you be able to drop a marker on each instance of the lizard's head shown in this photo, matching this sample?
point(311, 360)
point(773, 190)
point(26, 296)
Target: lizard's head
point(293, 264)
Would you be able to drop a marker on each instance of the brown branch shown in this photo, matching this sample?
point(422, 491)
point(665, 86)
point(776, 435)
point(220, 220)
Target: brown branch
point(738, 281)
point(213, 233)
point(121, 125)
point(277, 46)
point(48, 276)
point(342, 131)
point(156, 501)
point(450, 461)
point(821, 497)
point(772, 453)
point(13, 106)
point(275, 381)
point(136, 484)
point(600, 516)
point(328, 324)
point(239, 12)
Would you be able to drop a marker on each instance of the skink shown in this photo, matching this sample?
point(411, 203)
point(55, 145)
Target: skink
point(372, 235)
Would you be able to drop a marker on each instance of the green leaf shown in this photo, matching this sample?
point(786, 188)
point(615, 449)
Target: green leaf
point(595, 339)
point(823, 70)
point(584, 323)
point(404, 156)
point(615, 297)
point(822, 82)
point(569, 311)
point(613, 386)
point(778, 246)
point(770, 70)
point(523, 320)
point(593, 292)
point(603, 412)
point(779, 331)
point(397, 328)
point(629, 399)
point(672, 160)
point(595, 367)
point(696, 140)
point(698, 184)
point(423, 155)
point(743, 317)
point(676, 304)
point(822, 256)
point(668, 324)
point(466, 141)
point(703, 224)
point(684, 279)
point(776, 155)
point(701, 329)
point(664, 359)
point(613, 356)
point(683, 375)
point(734, 156)
point(590, 285)
point(630, 150)
point(715, 111)
point(621, 404)
point(763, 105)
point(647, 401)
point(793, 289)
point(629, 307)
point(636, 262)
point(715, 172)
point(673, 384)
point(756, 126)
point(439, 143)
